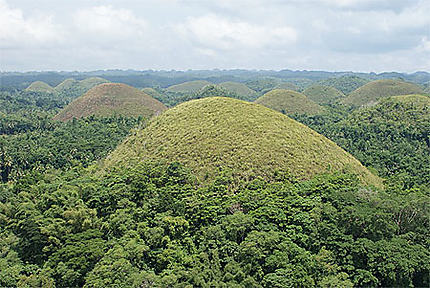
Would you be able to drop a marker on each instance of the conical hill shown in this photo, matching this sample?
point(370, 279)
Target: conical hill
point(111, 99)
point(370, 93)
point(289, 102)
point(40, 86)
point(249, 140)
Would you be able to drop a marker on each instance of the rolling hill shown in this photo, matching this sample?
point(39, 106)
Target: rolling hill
point(345, 84)
point(73, 88)
point(244, 139)
point(188, 87)
point(289, 102)
point(91, 82)
point(240, 89)
point(151, 92)
point(39, 86)
point(370, 93)
point(67, 84)
point(323, 94)
point(110, 99)
point(287, 86)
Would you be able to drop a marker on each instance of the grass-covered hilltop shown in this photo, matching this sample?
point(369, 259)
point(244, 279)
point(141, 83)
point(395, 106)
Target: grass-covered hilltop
point(289, 102)
point(239, 88)
point(111, 99)
point(190, 86)
point(216, 191)
point(40, 86)
point(370, 93)
point(323, 94)
point(215, 134)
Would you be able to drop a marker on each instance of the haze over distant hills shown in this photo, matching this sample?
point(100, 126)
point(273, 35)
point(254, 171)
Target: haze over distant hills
point(151, 78)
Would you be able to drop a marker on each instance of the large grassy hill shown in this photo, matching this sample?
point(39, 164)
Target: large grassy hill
point(111, 99)
point(248, 140)
point(370, 93)
point(289, 102)
point(39, 86)
point(323, 94)
point(189, 87)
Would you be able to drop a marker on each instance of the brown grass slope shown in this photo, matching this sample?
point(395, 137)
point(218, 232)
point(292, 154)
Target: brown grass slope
point(189, 87)
point(40, 86)
point(371, 92)
point(110, 99)
point(289, 102)
point(323, 94)
point(249, 140)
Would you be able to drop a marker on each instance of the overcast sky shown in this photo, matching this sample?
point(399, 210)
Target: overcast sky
point(334, 35)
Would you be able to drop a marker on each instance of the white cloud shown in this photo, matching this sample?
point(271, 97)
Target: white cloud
point(109, 21)
point(164, 34)
point(425, 45)
point(217, 32)
point(16, 30)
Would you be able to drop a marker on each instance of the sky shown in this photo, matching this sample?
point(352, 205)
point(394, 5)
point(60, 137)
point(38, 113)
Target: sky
point(331, 35)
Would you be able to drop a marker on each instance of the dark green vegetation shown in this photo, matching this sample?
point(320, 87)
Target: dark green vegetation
point(112, 99)
point(151, 226)
point(392, 136)
point(245, 139)
point(289, 102)
point(30, 141)
point(323, 94)
point(68, 221)
point(370, 93)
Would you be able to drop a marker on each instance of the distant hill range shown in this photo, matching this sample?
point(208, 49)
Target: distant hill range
point(258, 80)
